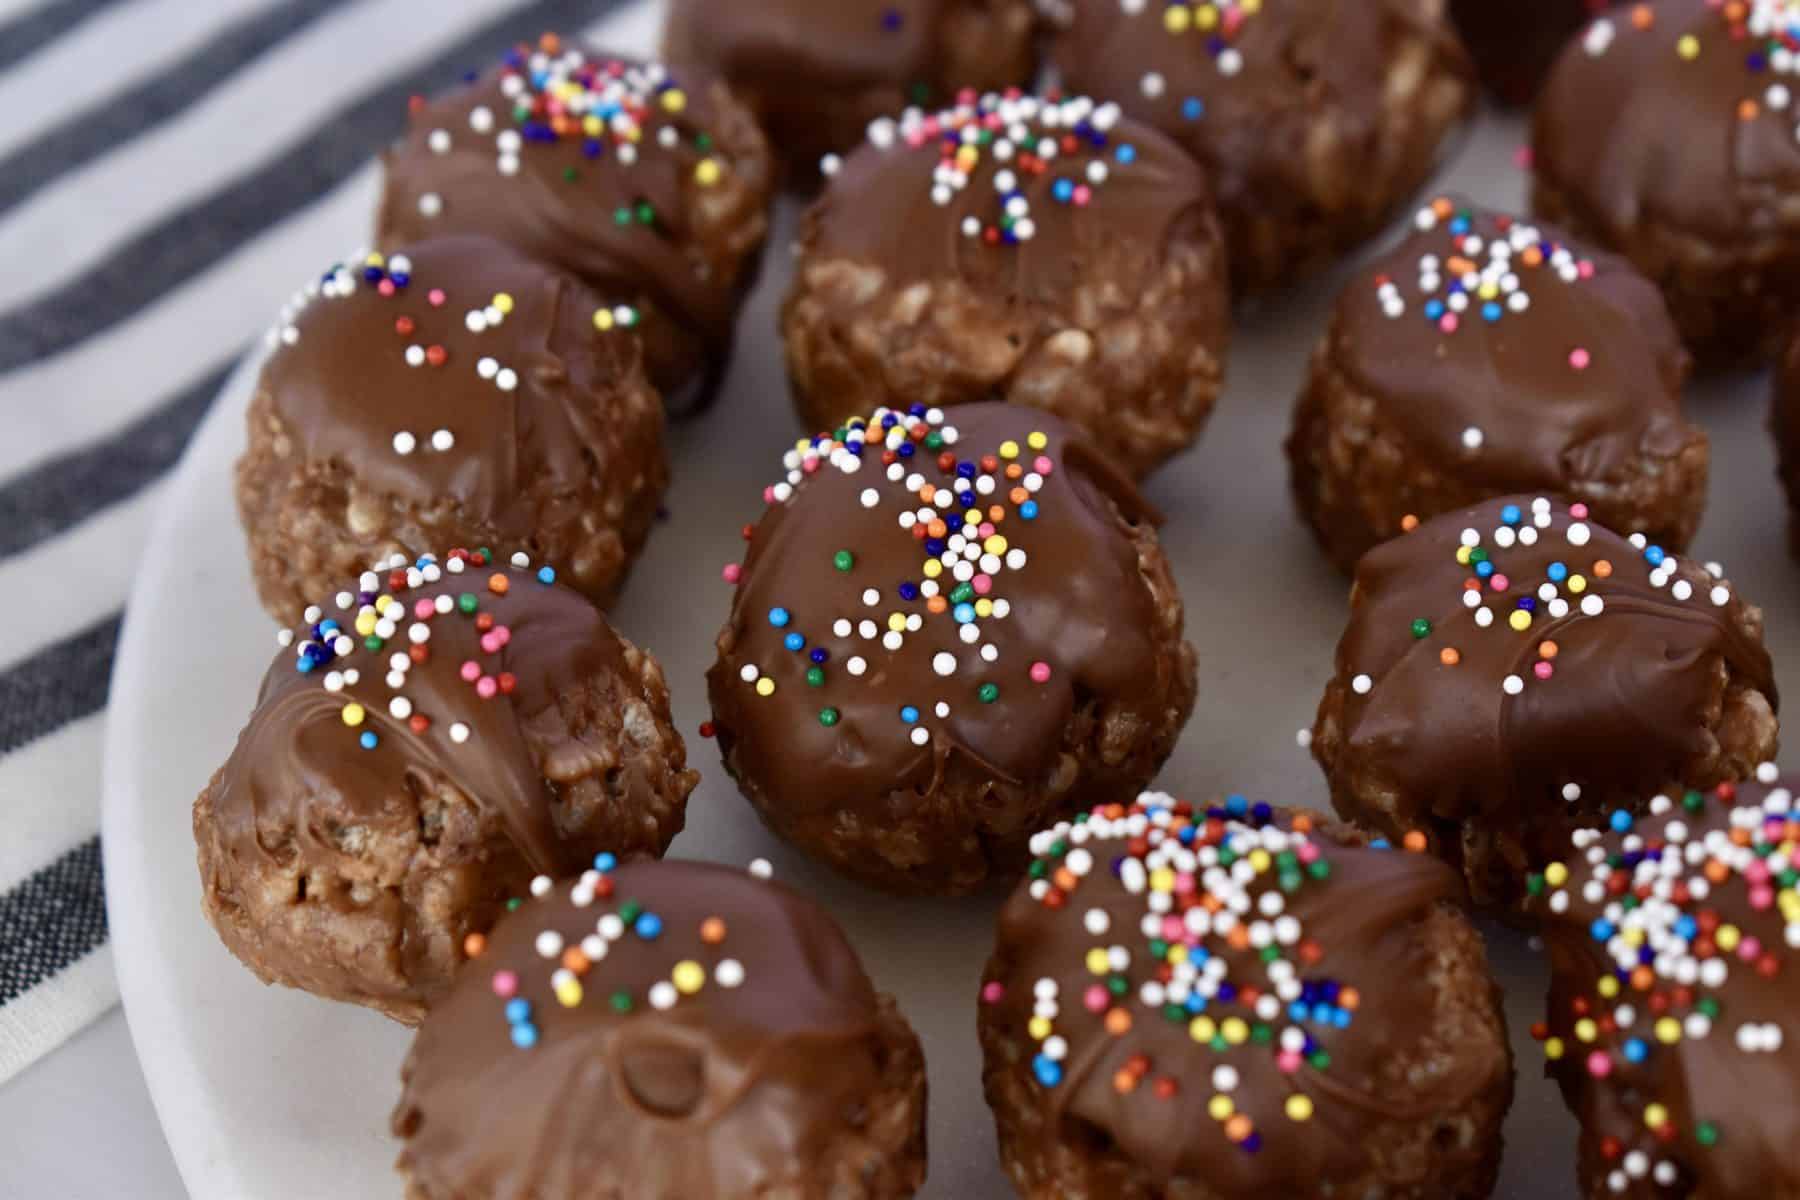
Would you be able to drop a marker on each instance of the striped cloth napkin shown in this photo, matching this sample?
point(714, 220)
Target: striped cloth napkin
point(170, 170)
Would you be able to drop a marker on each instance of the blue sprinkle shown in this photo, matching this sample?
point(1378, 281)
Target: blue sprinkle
point(1062, 189)
point(1126, 153)
point(1193, 108)
point(303, 664)
point(778, 617)
point(1636, 1051)
point(1490, 312)
point(1686, 928)
point(1511, 514)
point(964, 613)
point(1048, 1071)
point(368, 739)
point(1484, 569)
point(1381, 844)
point(1621, 821)
point(1028, 511)
point(1602, 929)
point(648, 927)
point(909, 714)
point(794, 641)
point(546, 574)
point(1434, 309)
point(605, 862)
point(1557, 572)
point(524, 1036)
point(518, 1010)
point(1654, 556)
point(909, 591)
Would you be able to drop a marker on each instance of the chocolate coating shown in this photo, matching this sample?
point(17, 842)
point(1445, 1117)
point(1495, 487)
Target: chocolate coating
point(1514, 42)
point(1447, 718)
point(650, 184)
point(1784, 423)
point(552, 439)
point(925, 751)
point(1368, 1057)
point(1671, 140)
point(1673, 987)
point(816, 72)
point(1087, 280)
point(745, 1060)
point(1313, 118)
point(372, 815)
point(1485, 356)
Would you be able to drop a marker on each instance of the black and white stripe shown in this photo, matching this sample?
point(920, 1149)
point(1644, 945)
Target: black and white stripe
point(113, 346)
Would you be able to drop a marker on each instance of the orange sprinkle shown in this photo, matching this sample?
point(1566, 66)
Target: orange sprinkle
point(473, 945)
point(1408, 523)
point(1716, 871)
point(1547, 649)
point(1643, 978)
point(1442, 206)
point(575, 960)
point(996, 513)
point(1118, 1022)
point(712, 931)
point(1238, 1127)
point(1018, 495)
point(1065, 879)
point(1643, 17)
point(937, 529)
point(1303, 823)
point(1124, 1081)
point(1349, 998)
point(1747, 110)
point(1449, 656)
point(497, 584)
point(1414, 841)
point(1015, 471)
point(550, 43)
point(1533, 257)
point(937, 604)
point(1602, 569)
point(1239, 937)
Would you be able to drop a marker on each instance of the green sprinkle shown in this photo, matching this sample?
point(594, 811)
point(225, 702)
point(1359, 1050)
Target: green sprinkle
point(1706, 1133)
point(571, 174)
point(1421, 628)
point(513, 904)
point(988, 692)
point(843, 560)
point(621, 216)
point(816, 676)
point(1693, 801)
point(630, 911)
point(372, 643)
point(467, 603)
point(828, 717)
point(620, 1001)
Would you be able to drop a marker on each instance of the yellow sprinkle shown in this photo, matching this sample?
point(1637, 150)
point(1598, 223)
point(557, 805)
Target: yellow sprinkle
point(1553, 1048)
point(1633, 936)
point(1009, 449)
point(1556, 874)
point(1096, 961)
point(1668, 1031)
point(1176, 19)
point(1578, 584)
point(1162, 879)
point(995, 544)
point(592, 126)
point(603, 318)
point(1220, 1107)
point(1608, 987)
point(1585, 1029)
point(707, 172)
point(1178, 953)
point(932, 568)
point(1727, 938)
point(967, 158)
point(1038, 1028)
point(1207, 18)
point(984, 607)
point(1462, 555)
point(1789, 903)
point(1235, 1030)
point(503, 302)
point(897, 622)
point(1655, 1115)
point(1519, 620)
point(374, 260)
point(568, 993)
point(1299, 1107)
point(674, 100)
point(1688, 47)
point(765, 686)
point(1202, 1029)
point(1037, 441)
point(353, 714)
point(1260, 860)
point(365, 622)
point(688, 976)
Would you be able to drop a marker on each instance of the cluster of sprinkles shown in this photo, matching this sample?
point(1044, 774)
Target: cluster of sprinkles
point(1765, 33)
point(1656, 894)
point(1215, 24)
point(391, 278)
point(1216, 949)
point(1061, 148)
point(1570, 586)
point(964, 556)
point(612, 110)
point(572, 962)
point(379, 618)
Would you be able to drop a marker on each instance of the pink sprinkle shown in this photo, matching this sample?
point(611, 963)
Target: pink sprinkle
point(1749, 949)
point(810, 466)
point(1308, 852)
point(985, 529)
point(1184, 884)
point(1598, 1065)
point(1043, 465)
point(423, 609)
point(505, 984)
point(1448, 322)
point(1757, 871)
point(1579, 358)
point(1579, 511)
point(732, 573)
point(1096, 999)
point(1082, 195)
point(503, 633)
point(486, 687)
point(769, 494)
point(993, 992)
point(436, 297)
point(471, 671)
point(490, 642)
point(1543, 670)
point(1499, 582)
point(1585, 269)
point(983, 584)
point(1288, 1062)
point(1040, 672)
point(385, 287)
point(1172, 928)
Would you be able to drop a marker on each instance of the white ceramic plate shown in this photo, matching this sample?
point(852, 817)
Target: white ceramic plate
point(269, 1093)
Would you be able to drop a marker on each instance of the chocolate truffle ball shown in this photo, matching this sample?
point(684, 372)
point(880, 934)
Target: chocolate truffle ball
point(1666, 131)
point(1237, 1002)
point(1486, 356)
point(949, 629)
point(1512, 669)
point(455, 394)
point(662, 1031)
point(1514, 42)
point(423, 746)
point(1785, 421)
point(1673, 991)
point(1048, 253)
point(816, 72)
point(1315, 118)
point(651, 184)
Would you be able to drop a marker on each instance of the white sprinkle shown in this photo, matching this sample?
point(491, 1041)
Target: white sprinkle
point(857, 665)
point(1578, 534)
point(442, 440)
point(459, 733)
point(870, 497)
point(1152, 85)
point(549, 944)
point(1512, 685)
point(1720, 596)
point(1303, 738)
point(729, 973)
point(481, 119)
point(1361, 685)
point(1592, 605)
point(507, 379)
point(404, 442)
point(663, 995)
point(944, 663)
point(761, 868)
point(400, 708)
point(431, 204)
